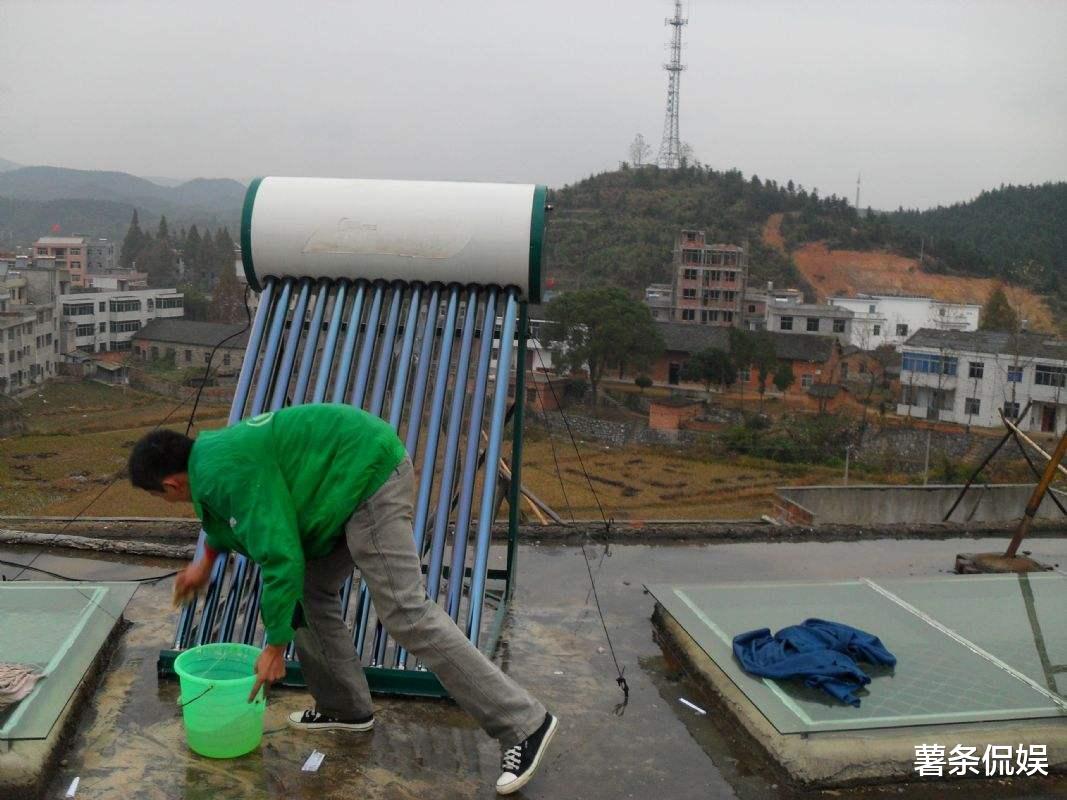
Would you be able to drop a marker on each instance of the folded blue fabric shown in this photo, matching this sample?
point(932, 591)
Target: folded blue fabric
point(821, 653)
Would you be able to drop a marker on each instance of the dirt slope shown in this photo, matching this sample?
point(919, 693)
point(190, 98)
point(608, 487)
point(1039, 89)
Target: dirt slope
point(848, 272)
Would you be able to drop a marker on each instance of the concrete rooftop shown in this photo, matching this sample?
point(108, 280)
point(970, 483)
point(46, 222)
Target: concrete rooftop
point(130, 742)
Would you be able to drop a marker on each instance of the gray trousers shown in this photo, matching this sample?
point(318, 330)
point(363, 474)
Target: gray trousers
point(378, 539)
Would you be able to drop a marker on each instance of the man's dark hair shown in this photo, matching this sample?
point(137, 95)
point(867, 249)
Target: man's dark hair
point(158, 455)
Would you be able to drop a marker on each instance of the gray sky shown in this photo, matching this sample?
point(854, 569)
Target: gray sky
point(931, 101)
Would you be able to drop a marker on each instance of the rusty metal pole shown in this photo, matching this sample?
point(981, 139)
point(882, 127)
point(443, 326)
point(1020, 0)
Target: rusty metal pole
point(1037, 496)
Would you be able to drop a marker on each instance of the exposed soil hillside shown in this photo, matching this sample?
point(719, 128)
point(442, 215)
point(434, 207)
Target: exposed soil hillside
point(848, 272)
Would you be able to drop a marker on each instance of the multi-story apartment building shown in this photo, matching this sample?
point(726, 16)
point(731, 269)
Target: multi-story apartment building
point(970, 377)
point(810, 318)
point(69, 253)
point(889, 319)
point(29, 322)
point(101, 322)
point(117, 280)
point(99, 255)
point(707, 285)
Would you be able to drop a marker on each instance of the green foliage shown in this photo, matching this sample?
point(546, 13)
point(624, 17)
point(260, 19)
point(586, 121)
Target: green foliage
point(643, 382)
point(596, 329)
point(619, 227)
point(803, 438)
point(227, 301)
point(709, 366)
point(195, 303)
point(784, 377)
point(133, 244)
point(997, 313)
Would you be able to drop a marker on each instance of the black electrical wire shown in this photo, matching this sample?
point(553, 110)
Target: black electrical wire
point(621, 679)
point(151, 579)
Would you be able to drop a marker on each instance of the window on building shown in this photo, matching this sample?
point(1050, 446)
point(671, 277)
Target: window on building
point(902, 330)
point(85, 330)
point(744, 375)
point(729, 297)
point(207, 357)
point(839, 326)
point(689, 294)
point(121, 306)
point(79, 310)
point(1015, 373)
point(877, 330)
point(941, 311)
point(169, 302)
point(713, 294)
point(714, 275)
point(972, 406)
point(807, 380)
point(1048, 375)
point(126, 327)
point(689, 314)
point(729, 277)
point(976, 369)
point(690, 274)
point(188, 356)
point(785, 324)
point(863, 368)
point(155, 352)
point(103, 307)
point(120, 346)
point(929, 364)
point(225, 359)
point(690, 236)
point(103, 327)
point(751, 309)
point(690, 256)
point(727, 316)
point(870, 308)
point(1011, 409)
point(813, 325)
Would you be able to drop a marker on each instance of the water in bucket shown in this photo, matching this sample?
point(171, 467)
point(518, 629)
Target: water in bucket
point(216, 680)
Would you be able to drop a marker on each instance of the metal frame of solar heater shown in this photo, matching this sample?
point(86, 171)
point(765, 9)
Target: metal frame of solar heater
point(416, 354)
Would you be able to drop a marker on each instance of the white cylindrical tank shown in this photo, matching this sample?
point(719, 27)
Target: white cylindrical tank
point(483, 233)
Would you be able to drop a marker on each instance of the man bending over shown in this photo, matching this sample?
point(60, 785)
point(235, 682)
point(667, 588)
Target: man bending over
point(308, 493)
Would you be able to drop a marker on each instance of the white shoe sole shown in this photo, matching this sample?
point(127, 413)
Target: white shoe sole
point(525, 779)
point(355, 727)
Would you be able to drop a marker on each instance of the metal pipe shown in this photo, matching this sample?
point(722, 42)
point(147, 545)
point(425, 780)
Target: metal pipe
point(385, 355)
point(296, 330)
point(496, 433)
point(470, 459)
point(307, 361)
point(322, 382)
point(344, 366)
point(366, 353)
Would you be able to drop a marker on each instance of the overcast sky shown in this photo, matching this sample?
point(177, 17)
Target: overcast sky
point(931, 101)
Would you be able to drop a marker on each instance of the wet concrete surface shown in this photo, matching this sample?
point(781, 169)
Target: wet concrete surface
point(130, 742)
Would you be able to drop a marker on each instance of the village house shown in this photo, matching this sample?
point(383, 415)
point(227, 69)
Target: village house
point(189, 343)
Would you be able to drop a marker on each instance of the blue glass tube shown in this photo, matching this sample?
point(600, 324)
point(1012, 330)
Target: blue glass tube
point(418, 392)
point(366, 353)
point(403, 362)
point(348, 349)
point(496, 434)
point(385, 353)
point(296, 329)
point(240, 397)
point(266, 371)
point(448, 468)
point(307, 360)
point(322, 382)
point(470, 460)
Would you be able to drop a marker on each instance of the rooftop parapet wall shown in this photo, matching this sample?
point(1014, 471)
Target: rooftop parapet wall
point(907, 505)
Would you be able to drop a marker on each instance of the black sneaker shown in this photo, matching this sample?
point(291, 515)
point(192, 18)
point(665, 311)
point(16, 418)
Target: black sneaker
point(312, 720)
point(518, 764)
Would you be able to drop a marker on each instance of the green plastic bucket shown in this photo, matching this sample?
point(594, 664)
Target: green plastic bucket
point(216, 680)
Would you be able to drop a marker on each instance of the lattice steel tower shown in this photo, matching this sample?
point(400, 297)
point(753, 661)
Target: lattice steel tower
point(670, 146)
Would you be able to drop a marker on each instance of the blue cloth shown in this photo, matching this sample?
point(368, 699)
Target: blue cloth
point(821, 653)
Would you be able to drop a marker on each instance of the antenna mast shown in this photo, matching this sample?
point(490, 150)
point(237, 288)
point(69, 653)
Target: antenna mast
point(859, 175)
point(670, 146)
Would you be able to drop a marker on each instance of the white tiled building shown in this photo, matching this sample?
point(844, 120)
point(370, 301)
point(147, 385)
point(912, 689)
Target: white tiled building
point(970, 377)
point(888, 319)
point(29, 322)
point(101, 322)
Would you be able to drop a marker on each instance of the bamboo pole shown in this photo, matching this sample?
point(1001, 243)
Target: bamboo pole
point(1033, 444)
point(1038, 496)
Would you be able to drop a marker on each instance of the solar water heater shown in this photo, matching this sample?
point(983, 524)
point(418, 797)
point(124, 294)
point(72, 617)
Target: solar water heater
point(407, 299)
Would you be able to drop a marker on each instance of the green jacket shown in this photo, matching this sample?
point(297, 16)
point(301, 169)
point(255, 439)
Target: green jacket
point(278, 488)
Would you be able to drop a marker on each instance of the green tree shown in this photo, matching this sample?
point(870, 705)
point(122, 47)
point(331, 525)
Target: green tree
point(163, 231)
point(191, 252)
point(708, 366)
point(643, 382)
point(600, 328)
point(764, 359)
point(195, 303)
point(133, 244)
point(227, 299)
point(783, 376)
point(158, 261)
point(997, 313)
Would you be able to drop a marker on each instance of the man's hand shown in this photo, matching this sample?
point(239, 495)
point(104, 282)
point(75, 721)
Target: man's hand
point(191, 580)
point(270, 667)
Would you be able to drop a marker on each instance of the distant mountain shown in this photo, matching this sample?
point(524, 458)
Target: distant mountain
point(6, 165)
point(97, 203)
point(164, 181)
